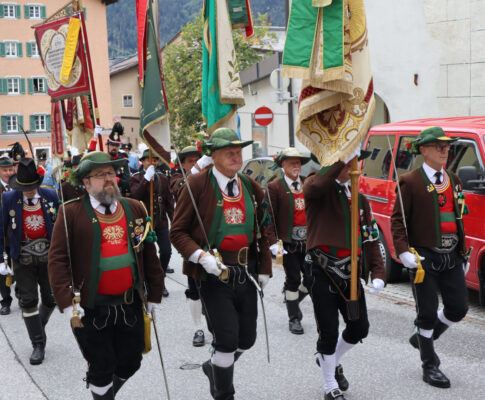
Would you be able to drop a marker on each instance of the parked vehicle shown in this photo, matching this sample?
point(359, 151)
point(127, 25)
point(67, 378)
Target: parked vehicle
point(466, 159)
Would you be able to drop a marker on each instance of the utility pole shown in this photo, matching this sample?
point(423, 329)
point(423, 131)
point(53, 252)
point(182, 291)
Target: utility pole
point(291, 124)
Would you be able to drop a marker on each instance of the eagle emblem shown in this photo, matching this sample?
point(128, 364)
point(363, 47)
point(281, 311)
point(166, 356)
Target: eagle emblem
point(34, 222)
point(113, 234)
point(299, 204)
point(233, 215)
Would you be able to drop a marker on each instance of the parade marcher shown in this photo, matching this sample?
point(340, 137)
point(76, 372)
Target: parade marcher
point(162, 204)
point(16, 153)
point(327, 200)
point(113, 144)
point(188, 157)
point(230, 206)
point(433, 205)
point(70, 187)
point(28, 215)
point(113, 269)
point(287, 209)
point(132, 160)
point(6, 171)
point(49, 180)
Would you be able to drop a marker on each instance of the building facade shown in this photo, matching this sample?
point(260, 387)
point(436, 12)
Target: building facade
point(24, 102)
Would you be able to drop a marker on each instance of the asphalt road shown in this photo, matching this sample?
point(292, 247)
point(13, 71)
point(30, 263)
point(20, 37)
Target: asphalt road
point(385, 366)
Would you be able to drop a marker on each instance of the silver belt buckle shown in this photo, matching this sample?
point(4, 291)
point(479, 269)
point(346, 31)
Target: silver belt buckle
point(298, 233)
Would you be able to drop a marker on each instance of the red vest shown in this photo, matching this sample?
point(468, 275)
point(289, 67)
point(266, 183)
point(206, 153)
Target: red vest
point(447, 206)
point(114, 243)
point(33, 222)
point(234, 214)
point(299, 217)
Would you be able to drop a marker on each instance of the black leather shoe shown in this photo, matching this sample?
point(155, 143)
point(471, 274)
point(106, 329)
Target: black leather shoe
point(343, 383)
point(207, 369)
point(199, 338)
point(295, 327)
point(37, 354)
point(5, 310)
point(434, 377)
point(169, 270)
point(165, 292)
point(335, 394)
point(413, 340)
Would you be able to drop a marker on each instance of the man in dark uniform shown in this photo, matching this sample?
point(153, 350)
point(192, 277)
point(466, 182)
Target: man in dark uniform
point(162, 204)
point(28, 215)
point(433, 207)
point(113, 144)
point(188, 158)
point(230, 206)
point(287, 209)
point(327, 199)
point(6, 171)
point(16, 153)
point(115, 271)
point(69, 190)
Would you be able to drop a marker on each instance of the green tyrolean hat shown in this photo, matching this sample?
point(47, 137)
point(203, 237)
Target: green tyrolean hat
point(432, 134)
point(290, 152)
point(96, 159)
point(223, 137)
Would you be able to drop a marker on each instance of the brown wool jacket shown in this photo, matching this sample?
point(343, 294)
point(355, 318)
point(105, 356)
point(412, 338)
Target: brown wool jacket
point(81, 237)
point(71, 192)
point(280, 201)
point(163, 208)
point(186, 234)
point(176, 183)
point(325, 218)
point(419, 208)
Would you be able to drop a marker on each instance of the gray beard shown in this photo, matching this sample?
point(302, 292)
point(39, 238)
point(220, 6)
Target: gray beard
point(107, 198)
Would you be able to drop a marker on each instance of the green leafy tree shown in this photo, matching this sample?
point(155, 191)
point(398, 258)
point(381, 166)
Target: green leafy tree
point(182, 64)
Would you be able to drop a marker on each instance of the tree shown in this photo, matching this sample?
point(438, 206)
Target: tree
point(182, 64)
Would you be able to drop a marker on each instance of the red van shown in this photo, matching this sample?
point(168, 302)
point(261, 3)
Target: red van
point(466, 159)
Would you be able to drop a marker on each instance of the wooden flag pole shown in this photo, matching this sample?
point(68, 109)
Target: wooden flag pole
point(354, 221)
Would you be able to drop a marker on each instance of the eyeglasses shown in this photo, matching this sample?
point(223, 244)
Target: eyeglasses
point(440, 147)
point(103, 175)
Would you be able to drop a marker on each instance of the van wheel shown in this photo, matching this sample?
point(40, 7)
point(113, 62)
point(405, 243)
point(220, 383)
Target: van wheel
point(393, 269)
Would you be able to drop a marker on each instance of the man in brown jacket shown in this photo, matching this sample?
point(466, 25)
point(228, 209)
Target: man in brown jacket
point(327, 199)
point(287, 209)
point(230, 206)
point(104, 256)
point(433, 205)
point(162, 204)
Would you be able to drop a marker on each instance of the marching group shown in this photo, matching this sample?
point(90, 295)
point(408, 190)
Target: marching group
point(227, 228)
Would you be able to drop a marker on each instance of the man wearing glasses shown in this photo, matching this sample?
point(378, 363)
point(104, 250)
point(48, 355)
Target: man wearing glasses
point(433, 204)
point(104, 256)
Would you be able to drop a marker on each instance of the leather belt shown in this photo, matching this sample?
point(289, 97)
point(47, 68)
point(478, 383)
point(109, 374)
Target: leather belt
point(36, 247)
point(239, 257)
point(449, 241)
point(115, 299)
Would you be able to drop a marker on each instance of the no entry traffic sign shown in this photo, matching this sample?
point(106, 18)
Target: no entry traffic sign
point(263, 116)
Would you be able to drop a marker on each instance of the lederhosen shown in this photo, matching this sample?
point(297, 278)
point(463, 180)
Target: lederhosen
point(112, 339)
point(442, 263)
point(231, 305)
point(330, 287)
point(295, 245)
point(31, 267)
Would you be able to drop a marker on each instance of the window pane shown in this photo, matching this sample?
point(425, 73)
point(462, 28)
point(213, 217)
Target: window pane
point(9, 11)
point(35, 49)
point(34, 11)
point(11, 49)
point(12, 125)
point(38, 84)
point(405, 160)
point(127, 101)
point(464, 160)
point(40, 123)
point(378, 164)
point(13, 85)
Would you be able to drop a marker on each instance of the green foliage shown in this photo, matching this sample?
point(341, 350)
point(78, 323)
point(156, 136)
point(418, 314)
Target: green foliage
point(182, 66)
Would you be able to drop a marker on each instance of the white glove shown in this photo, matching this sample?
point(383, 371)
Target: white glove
point(466, 267)
point(377, 286)
point(202, 163)
point(5, 269)
point(209, 263)
point(152, 307)
point(150, 173)
point(68, 312)
point(409, 260)
point(356, 153)
point(263, 280)
point(274, 249)
point(98, 131)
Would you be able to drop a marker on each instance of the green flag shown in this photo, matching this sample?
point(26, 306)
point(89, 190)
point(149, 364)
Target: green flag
point(221, 85)
point(154, 126)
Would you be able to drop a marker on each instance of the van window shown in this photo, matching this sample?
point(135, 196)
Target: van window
point(405, 160)
point(378, 164)
point(464, 160)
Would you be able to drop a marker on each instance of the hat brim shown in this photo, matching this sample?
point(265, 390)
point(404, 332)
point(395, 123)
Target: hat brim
point(442, 139)
point(228, 143)
point(15, 185)
point(304, 159)
point(86, 166)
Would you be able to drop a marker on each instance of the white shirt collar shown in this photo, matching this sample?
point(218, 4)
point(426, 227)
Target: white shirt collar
point(34, 199)
point(4, 183)
point(290, 181)
point(222, 181)
point(100, 208)
point(431, 171)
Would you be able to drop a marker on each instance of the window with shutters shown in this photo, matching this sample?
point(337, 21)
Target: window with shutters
point(40, 122)
point(13, 85)
point(12, 123)
point(8, 10)
point(38, 85)
point(34, 49)
point(11, 49)
point(34, 11)
point(127, 100)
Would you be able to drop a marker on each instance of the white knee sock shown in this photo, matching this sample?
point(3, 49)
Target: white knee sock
point(427, 333)
point(442, 318)
point(195, 307)
point(100, 390)
point(302, 288)
point(291, 296)
point(341, 349)
point(327, 365)
point(223, 360)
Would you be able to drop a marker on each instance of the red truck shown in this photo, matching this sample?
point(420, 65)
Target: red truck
point(466, 159)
